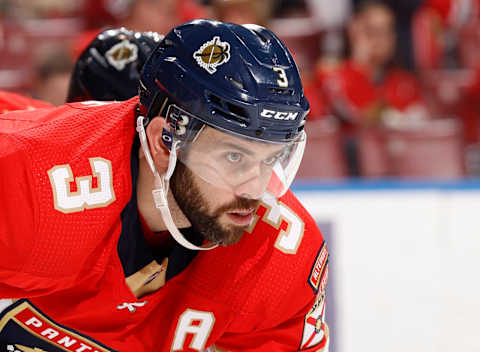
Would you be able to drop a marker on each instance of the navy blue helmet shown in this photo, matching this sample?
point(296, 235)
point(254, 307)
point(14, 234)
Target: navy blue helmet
point(237, 78)
point(109, 68)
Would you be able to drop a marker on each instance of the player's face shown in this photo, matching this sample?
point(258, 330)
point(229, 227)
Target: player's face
point(219, 180)
point(216, 213)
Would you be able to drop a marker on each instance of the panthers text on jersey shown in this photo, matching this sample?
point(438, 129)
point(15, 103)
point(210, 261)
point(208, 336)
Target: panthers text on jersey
point(80, 271)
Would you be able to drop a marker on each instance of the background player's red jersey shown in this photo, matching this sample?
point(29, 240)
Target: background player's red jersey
point(12, 101)
point(73, 251)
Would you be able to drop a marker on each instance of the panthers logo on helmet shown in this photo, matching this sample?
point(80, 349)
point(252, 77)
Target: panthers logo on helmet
point(212, 54)
point(121, 54)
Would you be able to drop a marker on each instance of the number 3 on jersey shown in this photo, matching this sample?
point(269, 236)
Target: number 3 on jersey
point(289, 239)
point(86, 197)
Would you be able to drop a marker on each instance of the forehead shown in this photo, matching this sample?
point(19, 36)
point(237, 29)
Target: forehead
point(211, 139)
point(379, 16)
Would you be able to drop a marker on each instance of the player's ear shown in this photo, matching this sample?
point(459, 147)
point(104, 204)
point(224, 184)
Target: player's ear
point(159, 151)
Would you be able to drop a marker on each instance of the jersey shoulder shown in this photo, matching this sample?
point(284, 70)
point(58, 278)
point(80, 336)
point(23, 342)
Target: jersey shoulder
point(67, 178)
point(52, 118)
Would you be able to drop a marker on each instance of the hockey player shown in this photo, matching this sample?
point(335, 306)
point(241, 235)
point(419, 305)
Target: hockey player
point(184, 237)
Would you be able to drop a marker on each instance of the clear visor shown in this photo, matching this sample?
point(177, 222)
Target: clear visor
point(244, 166)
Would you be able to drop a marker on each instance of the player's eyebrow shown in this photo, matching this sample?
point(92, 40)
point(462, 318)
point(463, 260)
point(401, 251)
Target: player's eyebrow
point(232, 145)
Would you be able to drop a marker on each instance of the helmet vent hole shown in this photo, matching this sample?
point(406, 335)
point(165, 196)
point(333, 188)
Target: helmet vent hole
point(237, 110)
point(281, 91)
point(228, 110)
point(231, 118)
point(216, 100)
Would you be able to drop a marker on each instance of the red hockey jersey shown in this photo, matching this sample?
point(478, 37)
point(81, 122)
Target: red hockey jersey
point(12, 101)
point(71, 242)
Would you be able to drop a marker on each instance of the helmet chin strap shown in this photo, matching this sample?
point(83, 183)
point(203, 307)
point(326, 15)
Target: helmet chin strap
point(161, 185)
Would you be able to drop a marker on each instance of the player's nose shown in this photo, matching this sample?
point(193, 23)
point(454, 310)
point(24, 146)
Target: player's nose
point(254, 187)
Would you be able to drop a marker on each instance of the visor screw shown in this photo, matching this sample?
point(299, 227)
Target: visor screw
point(259, 132)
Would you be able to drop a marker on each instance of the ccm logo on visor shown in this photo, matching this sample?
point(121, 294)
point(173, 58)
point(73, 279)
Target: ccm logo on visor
point(279, 115)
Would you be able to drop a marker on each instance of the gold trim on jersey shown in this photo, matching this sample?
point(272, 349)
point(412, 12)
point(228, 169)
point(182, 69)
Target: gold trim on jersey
point(148, 279)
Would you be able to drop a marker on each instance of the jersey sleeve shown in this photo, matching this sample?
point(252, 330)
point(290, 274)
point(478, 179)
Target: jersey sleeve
point(305, 331)
point(17, 221)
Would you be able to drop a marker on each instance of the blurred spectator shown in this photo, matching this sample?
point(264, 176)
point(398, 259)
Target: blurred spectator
point(141, 15)
point(330, 14)
point(23, 9)
point(369, 83)
point(438, 27)
point(53, 70)
point(138, 15)
point(447, 53)
point(3, 8)
point(330, 18)
point(289, 8)
point(368, 87)
point(31, 33)
point(404, 12)
point(243, 11)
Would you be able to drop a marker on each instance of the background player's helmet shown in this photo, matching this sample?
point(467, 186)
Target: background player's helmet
point(240, 79)
point(109, 68)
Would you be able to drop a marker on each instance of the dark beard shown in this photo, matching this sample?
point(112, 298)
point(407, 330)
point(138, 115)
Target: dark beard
point(193, 205)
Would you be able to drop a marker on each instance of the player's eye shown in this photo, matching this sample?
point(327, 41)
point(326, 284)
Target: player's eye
point(271, 160)
point(234, 157)
point(274, 158)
